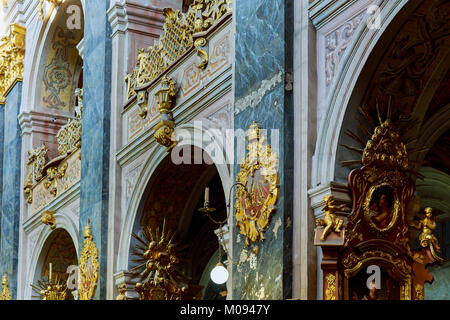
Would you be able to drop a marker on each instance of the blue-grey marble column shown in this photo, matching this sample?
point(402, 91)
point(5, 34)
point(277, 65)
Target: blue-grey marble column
point(263, 93)
point(96, 131)
point(11, 187)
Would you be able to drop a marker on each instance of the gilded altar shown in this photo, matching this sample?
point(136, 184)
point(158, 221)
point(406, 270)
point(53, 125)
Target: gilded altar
point(376, 236)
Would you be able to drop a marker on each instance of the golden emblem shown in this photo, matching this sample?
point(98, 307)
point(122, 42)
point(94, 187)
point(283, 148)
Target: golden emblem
point(160, 262)
point(88, 266)
point(259, 174)
point(6, 293)
point(331, 222)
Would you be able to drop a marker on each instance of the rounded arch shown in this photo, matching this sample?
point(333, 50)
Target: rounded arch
point(155, 157)
point(38, 44)
point(63, 223)
point(345, 90)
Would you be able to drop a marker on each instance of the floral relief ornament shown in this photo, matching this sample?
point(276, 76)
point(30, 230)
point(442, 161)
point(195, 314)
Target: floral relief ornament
point(259, 174)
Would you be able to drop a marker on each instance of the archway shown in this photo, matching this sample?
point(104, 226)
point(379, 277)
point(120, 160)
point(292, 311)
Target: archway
point(57, 254)
point(404, 80)
point(174, 194)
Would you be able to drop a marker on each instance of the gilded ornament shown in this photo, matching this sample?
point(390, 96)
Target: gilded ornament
point(176, 40)
point(51, 290)
point(202, 53)
point(6, 293)
point(164, 134)
point(12, 53)
point(427, 238)
point(89, 267)
point(330, 292)
point(122, 288)
point(259, 173)
point(36, 163)
point(331, 221)
point(53, 174)
point(48, 218)
point(419, 292)
point(159, 258)
point(164, 129)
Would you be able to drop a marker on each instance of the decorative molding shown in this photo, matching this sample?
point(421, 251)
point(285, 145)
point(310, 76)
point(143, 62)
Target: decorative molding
point(323, 11)
point(339, 191)
point(130, 181)
point(118, 18)
point(12, 53)
point(336, 42)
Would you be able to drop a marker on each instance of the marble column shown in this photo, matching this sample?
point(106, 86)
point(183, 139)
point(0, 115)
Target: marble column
point(95, 149)
point(263, 93)
point(10, 217)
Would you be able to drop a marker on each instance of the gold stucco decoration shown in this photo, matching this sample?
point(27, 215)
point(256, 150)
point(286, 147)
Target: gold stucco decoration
point(259, 174)
point(12, 53)
point(6, 293)
point(89, 267)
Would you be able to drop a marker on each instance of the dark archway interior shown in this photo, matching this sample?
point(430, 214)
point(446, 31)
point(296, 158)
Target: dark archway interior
point(175, 193)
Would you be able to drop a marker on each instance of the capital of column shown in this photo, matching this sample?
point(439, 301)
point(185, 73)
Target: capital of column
point(118, 18)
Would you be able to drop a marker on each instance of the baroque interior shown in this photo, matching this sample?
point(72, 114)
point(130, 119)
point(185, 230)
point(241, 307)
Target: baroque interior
point(224, 150)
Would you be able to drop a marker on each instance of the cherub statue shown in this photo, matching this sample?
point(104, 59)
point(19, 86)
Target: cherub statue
point(122, 288)
point(426, 237)
point(331, 222)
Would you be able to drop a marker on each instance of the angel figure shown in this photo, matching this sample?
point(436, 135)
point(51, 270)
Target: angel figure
point(426, 237)
point(331, 222)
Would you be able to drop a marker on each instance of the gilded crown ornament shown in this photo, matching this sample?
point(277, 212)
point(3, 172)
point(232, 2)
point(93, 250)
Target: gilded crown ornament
point(259, 174)
point(6, 293)
point(89, 266)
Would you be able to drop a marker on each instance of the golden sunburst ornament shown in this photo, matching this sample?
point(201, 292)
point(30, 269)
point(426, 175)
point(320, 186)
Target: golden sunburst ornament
point(50, 290)
point(159, 265)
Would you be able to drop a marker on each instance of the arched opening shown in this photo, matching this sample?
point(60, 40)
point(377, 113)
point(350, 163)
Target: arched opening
point(59, 252)
point(174, 194)
point(405, 80)
point(59, 71)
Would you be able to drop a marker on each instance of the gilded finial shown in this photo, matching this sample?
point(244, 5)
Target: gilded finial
point(254, 131)
point(5, 294)
point(88, 230)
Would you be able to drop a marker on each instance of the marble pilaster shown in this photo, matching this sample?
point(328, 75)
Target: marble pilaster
point(10, 217)
point(263, 93)
point(95, 150)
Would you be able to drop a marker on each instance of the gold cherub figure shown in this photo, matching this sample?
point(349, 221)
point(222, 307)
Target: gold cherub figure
point(331, 222)
point(426, 237)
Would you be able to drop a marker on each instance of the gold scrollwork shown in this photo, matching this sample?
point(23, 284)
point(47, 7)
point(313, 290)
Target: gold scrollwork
point(259, 173)
point(89, 267)
point(12, 53)
point(53, 174)
point(164, 134)
point(36, 162)
point(6, 293)
point(203, 54)
point(419, 291)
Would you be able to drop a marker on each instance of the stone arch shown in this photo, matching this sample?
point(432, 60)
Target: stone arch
point(155, 157)
point(346, 90)
point(42, 243)
point(39, 44)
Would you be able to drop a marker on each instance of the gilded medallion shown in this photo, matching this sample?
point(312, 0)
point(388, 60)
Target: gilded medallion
point(259, 174)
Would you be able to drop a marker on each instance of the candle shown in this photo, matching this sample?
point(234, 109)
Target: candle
point(206, 195)
point(50, 273)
